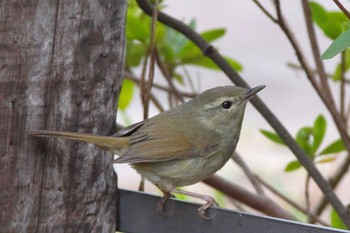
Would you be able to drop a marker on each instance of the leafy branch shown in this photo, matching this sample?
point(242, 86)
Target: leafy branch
point(211, 53)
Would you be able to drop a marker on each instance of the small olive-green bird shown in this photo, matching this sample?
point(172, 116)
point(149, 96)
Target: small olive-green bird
point(181, 146)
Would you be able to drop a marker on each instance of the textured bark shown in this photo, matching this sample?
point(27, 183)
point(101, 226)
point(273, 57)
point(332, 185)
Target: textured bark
point(60, 69)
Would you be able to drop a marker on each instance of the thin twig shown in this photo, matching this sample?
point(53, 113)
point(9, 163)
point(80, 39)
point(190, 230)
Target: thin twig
point(190, 81)
point(143, 84)
point(290, 202)
point(316, 52)
point(298, 68)
point(237, 205)
point(328, 99)
point(301, 58)
point(348, 115)
point(133, 78)
point(156, 103)
point(326, 95)
point(307, 196)
point(257, 202)
point(342, 8)
point(251, 176)
point(152, 46)
point(334, 181)
point(342, 86)
point(167, 76)
point(311, 78)
point(211, 53)
point(265, 11)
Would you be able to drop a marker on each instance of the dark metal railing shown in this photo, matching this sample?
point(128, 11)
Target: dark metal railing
point(138, 213)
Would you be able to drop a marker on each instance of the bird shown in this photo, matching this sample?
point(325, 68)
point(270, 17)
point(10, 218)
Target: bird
point(181, 146)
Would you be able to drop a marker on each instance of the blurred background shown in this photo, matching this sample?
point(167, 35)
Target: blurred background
point(264, 52)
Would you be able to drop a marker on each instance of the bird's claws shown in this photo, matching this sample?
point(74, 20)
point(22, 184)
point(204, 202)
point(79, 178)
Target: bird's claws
point(161, 211)
point(210, 203)
point(161, 203)
point(201, 210)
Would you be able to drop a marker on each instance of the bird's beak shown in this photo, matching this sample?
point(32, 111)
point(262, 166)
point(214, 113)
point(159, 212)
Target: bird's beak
point(252, 91)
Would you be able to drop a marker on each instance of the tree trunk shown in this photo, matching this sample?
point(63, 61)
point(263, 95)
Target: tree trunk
point(60, 69)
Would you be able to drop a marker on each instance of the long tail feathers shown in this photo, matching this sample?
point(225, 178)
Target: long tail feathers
point(108, 143)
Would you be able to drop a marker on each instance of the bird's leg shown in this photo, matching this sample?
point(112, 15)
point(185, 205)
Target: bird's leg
point(142, 185)
point(201, 210)
point(162, 201)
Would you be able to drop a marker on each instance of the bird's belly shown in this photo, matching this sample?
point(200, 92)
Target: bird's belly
point(182, 172)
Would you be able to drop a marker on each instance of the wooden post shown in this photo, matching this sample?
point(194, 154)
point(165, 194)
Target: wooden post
point(60, 69)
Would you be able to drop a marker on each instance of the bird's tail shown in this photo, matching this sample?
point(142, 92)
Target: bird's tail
point(105, 142)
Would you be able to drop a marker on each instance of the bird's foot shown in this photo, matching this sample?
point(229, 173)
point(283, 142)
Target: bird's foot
point(210, 203)
point(161, 203)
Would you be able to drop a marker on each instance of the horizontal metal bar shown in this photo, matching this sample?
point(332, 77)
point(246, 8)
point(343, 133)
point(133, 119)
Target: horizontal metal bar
point(138, 213)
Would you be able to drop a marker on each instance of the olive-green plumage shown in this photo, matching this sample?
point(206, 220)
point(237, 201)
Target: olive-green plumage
point(181, 146)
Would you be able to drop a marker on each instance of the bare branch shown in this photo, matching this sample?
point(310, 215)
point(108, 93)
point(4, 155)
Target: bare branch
point(298, 68)
point(132, 77)
point(251, 176)
point(168, 77)
point(334, 181)
point(342, 8)
point(325, 94)
point(342, 86)
point(147, 94)
point(258, 202)
point(210, 52)
point(265, 11)
point(290, 202)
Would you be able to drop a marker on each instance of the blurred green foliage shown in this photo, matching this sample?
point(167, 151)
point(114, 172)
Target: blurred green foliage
point(336, 221)
point(335, 25)
point(310, 138)
point(174, 49)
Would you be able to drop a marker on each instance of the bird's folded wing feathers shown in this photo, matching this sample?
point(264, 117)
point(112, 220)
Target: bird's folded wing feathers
point(156, 144)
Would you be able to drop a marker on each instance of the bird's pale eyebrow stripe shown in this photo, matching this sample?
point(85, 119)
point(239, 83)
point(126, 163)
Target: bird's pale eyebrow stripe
point(219, 101)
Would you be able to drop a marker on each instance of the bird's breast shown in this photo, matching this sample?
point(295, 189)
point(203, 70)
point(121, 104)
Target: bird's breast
point(185, 171)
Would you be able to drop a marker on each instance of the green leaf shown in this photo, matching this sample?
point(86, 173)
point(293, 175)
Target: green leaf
point(126, 94)
point(336, 221)
point(326, 160)
point(190, 53)
point(193, 24)
point(167, 52)
point(292, 166)
point(335, 147)
point(336, 24)
point(331, 22)
point(220, 198)
point(303, 139)
point(178, 77)
point(136, 29)
point(213, 34)
point(234, 64)
point(318, 131)
point(319, 14)
point(341, 43)
point(174, 39)
point(134, 53)
point(272, 136)
point(346, 25)
point(337, 72)
point(180, 196)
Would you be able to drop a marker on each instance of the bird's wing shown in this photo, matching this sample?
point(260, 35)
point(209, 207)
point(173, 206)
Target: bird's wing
point(155, 142)
point(129, 130)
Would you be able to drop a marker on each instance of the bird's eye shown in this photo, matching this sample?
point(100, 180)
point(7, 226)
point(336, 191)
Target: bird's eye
point(226, 104)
